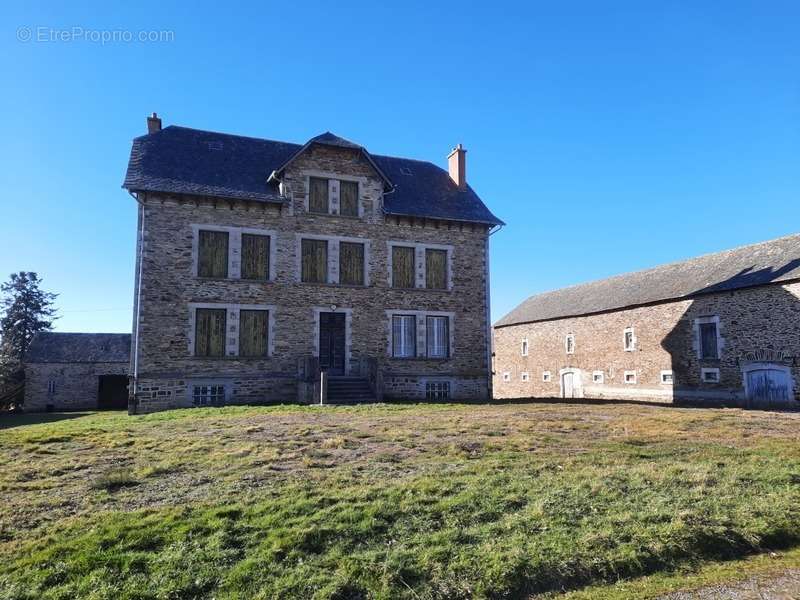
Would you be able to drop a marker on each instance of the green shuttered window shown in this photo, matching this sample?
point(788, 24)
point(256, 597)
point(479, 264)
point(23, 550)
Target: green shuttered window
point(314, 261)
point(402, 267)
point(318, 195)
point(209, 337)
point(212, 254)
point(255, 256)
point(348, 198)
point(351, 263)
point(436, 269)
point(253, 332)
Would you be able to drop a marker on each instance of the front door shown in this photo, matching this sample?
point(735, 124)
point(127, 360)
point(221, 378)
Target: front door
point(332, 342)
point(768, 387)
point(112, 392)
point(568, 385)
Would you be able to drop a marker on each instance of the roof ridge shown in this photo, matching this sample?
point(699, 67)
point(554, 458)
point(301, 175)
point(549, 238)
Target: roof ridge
point(667, 264)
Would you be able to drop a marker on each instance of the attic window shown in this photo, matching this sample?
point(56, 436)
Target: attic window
point(215, 145)
point(406, 171)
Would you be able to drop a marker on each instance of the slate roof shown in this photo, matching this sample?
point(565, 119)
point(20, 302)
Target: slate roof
point(56, 347)
point(190, 161)
point(747, 266)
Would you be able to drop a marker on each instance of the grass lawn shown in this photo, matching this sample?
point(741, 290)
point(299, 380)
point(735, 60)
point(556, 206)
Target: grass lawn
point(413, 501)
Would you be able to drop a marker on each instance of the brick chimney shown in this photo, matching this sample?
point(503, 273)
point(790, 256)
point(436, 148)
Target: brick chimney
point(153, 123)
point(457, 166)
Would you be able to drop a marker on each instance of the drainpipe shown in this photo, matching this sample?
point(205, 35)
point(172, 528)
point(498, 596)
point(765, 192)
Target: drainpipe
point(489, 343)
point(133, 406)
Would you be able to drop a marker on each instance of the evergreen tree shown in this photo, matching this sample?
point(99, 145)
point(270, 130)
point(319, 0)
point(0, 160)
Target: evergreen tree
point(25, 309)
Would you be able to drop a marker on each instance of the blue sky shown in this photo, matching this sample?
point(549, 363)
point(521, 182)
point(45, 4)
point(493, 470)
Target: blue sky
point(610, 136)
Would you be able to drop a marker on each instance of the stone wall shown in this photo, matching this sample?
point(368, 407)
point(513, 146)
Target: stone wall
point(74, 385)
point(166, 366)
point(756, 324)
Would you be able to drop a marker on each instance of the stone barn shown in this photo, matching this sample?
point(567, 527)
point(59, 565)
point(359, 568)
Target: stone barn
point(722, 328)
point(77, 371)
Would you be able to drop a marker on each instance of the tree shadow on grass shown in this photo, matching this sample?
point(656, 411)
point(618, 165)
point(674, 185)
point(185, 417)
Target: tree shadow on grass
point(10, 420)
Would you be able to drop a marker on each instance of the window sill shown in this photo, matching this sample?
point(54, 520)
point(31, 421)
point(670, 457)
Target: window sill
point(234, 279)
point(338, 216)
point(419, 358)
point(335, 285)
point(231, 358)
point(421, 289)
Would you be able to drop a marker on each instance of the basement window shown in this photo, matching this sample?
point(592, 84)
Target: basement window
point(506, 376)
point(667, 378)
point(208, 395)
point(709, 375)
point(598, 377)
point(546, 376)
point(525, 377)
point(437, 390)
point(630, 377)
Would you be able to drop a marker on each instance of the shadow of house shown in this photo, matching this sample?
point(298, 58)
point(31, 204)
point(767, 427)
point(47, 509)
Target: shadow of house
point(738, 341)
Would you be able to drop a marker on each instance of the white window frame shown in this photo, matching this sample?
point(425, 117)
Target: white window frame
point(524, 347)
point(547, 377)
point(525, 377)
point(567, 338)
point(420, 263)
point(234, 249)
point(625, 378)
point(333, 257)
point(698, 339)
point(334, 188)
point(232, 328)
point(598, 377)
point(625, 345)
point(714, 372)
point(506, 377)
point(422, 332)
point(667, 373)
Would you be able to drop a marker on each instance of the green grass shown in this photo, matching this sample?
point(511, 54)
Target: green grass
point(395, 501)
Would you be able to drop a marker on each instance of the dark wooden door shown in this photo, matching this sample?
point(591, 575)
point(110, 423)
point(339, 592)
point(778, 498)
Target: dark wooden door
point(113, 392)
point(331, 342)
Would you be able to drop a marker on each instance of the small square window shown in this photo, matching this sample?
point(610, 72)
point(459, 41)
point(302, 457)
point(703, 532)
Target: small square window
point(629, 340)
point(569, 343)
point(630, 377)
point(506, 376)
point(525, 377)
point(437, 390)
point(598, 377)
point(709, 375)
point(546, 376)
point(667, 378)
point(524, 348)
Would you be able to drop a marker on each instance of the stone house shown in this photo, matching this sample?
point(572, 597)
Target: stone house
point(722, 328)
point(269, 271)
point(77, 371)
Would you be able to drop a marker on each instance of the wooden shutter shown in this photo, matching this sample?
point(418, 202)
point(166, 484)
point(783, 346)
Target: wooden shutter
point(436, 269)
point(255, 256)
point(351, 263)
point(209, 339)
point(403, 267)
point(314, 261)
point(212, 254)
point(318, 195)
point(348, 198)
point(253, 331)
point(708, 340)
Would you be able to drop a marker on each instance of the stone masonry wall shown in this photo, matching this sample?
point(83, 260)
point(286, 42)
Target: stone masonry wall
point(754, 324)
point(75, 384)
point(166, 365)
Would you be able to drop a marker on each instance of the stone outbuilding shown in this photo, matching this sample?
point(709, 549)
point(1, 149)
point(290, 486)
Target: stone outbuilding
point(722, 328)
point(77, 371)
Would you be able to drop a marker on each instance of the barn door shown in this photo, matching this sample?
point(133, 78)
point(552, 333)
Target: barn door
point(332, 342)
point(768, 387)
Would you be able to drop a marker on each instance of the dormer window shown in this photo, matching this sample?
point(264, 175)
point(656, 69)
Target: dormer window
point(328, 196)
point(318, 195)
